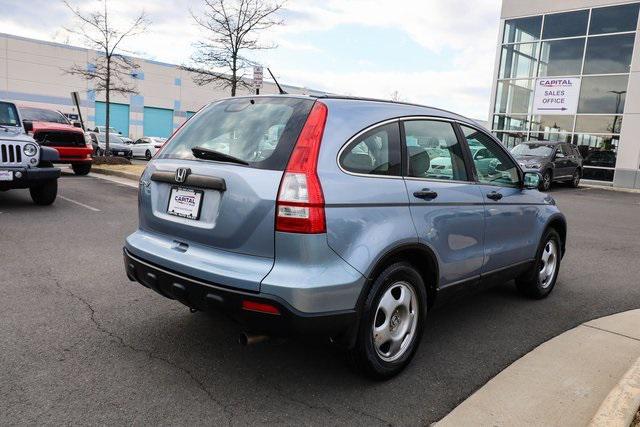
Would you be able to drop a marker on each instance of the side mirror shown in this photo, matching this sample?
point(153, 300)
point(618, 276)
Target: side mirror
point(531, 180)
point(119, 133)
point(559, 156)
point(77, 125)
point(28, 126)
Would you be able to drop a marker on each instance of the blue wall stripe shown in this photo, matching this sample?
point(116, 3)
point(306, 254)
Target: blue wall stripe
point(46, 99)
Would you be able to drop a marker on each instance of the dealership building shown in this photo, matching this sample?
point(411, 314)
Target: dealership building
point(569, 70)
point(32, 72)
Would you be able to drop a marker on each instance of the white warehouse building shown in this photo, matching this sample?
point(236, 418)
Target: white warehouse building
point(32, 72)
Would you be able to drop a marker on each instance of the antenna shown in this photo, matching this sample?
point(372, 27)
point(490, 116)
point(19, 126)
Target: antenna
point(282, 92)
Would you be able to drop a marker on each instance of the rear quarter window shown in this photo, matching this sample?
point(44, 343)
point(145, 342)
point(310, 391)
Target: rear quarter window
point(261, 131)
point(375, 152)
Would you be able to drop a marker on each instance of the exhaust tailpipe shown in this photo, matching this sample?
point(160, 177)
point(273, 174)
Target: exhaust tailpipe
point(247, 338)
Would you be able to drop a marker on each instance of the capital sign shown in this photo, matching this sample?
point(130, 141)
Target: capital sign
point(556, 96)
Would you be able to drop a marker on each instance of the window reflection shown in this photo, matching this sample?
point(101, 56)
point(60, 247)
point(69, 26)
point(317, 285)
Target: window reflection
point(550, 136)
point(519, 60)
point(522, 30)
point(610, 54)
point(510, 122)
point(552, 123)
point(568, 24)
point(616, 19)
point(599, 124)
point(511, 139)
point(514, 96)
point(561, 57)
point(599, 152)
point(603, 94)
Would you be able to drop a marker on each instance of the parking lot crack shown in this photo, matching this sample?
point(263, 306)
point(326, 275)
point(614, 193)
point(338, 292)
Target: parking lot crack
point(329, 410)
point(122, 343)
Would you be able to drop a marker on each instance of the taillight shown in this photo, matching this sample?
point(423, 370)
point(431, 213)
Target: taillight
point(300, 205)
point(260, 307)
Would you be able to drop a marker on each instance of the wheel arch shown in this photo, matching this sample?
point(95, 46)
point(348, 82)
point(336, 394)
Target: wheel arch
point(420, 256)
point(559, 224)
point(416, 254)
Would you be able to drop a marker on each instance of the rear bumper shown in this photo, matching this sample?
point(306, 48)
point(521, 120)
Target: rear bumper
point(29, 177)
point(74, 154)
point(207, 296)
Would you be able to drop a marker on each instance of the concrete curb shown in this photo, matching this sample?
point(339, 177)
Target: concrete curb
point(611, 188)
point(564, 381)
point(121, 174)
point(621, 405)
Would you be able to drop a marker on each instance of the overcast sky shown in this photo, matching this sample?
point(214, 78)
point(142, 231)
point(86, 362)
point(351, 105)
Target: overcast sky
point(435, 52)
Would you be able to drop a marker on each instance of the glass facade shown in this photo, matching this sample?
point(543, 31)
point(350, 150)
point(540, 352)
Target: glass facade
point(595, 45)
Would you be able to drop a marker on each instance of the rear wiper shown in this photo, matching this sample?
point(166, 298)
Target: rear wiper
point(207, 154)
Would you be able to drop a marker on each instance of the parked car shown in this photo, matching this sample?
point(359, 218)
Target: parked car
point(555, 161)
point(23, 163)
point(51, 128)
point(337, 229)
point(117, 147)
point(103, 129)
point(147, 146)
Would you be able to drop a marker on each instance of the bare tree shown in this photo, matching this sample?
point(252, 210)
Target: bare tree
point(231, 28)
point(111, 70)
point(395, 96)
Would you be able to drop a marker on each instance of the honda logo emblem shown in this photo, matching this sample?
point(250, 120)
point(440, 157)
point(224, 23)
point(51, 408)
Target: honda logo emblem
point(182, 174)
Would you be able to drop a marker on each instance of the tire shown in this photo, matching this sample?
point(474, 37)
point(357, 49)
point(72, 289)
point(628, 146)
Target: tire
point(81, 168)
point(147, 155)
point(545, 184)
point(575, 181)
point(534, 283)
point(404, 323)
point(44, 194)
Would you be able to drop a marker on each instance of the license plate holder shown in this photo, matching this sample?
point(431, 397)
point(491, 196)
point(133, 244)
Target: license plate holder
point(185, 202)
point(6, 175)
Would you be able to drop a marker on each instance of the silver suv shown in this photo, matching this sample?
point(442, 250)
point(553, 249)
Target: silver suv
point(324, 215)
point(24, 163)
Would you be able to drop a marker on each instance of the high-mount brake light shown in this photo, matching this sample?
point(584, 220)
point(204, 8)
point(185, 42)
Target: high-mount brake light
point(300, 205)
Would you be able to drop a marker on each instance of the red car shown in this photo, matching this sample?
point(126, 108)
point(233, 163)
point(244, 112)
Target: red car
point(52, 129)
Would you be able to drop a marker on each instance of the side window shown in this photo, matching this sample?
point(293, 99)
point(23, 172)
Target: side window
point(494, 166)
point(433, 150)
point(376, 152)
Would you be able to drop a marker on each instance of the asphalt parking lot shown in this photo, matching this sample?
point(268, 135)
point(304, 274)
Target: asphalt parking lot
point(81, 344)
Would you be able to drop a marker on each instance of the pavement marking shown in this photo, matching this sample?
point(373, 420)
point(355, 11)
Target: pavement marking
point(117, 180)
point(91, 208)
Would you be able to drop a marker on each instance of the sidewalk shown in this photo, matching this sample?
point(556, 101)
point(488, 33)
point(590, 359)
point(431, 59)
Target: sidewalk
point(563, 382)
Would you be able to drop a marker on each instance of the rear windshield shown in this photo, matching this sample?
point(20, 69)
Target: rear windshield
point(538, 150)
point(260, 131)
point(42, 115)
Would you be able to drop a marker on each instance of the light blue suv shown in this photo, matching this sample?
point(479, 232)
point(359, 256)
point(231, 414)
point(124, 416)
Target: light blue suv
point(300, 215)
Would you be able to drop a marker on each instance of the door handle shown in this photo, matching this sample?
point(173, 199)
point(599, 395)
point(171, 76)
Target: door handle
point(426, 194)
point(494, 195)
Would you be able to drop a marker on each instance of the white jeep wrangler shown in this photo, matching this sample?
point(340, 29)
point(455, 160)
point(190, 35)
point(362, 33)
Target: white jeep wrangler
point(23, 163)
